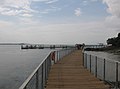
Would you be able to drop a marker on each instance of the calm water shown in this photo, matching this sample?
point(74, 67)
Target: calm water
point(16, 64)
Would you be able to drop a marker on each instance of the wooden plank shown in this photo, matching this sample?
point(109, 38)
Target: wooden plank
point(69, 73)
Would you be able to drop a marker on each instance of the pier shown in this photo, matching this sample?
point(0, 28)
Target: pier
point(74, 69)
point(43, 46)
point(69, 73)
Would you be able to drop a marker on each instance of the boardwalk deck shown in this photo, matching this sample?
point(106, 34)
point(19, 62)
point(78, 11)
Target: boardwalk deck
point(69, 73)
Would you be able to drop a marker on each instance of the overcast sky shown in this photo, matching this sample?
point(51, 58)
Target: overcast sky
point(59, 21)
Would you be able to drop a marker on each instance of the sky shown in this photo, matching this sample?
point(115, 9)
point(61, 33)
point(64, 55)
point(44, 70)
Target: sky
point(59, 21)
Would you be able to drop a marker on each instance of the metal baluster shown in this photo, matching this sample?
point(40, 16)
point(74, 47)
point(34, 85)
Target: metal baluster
point(117, 82)
point(104, 70)
point(86, 59)
point(96, 66)
point(42, 78)
point(37, 80)
point(90, 63)
point(83, 59)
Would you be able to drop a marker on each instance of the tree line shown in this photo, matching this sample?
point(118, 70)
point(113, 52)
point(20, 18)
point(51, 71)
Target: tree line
point(115, 41)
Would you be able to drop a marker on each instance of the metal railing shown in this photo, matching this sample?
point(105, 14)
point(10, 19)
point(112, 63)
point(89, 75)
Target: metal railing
point(104, 69)
point(38, 79)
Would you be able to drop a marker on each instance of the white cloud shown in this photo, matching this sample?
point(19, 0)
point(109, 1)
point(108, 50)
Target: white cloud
point(15, 7)
point(40, 0)
point(85, 2)
point(21, 7)
point(27, 15)
point(78, 12)
point(113, 7)
point(94, 0)
point(113, 21)
point(46, 1)
point(5, 24)
point(51, 1)
point(55, 33)
point(51, 9)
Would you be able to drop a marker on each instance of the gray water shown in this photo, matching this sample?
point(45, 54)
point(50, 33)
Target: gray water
point(16, 64)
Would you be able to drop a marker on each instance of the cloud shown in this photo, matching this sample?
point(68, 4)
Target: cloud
point(113, 7)
point(78, 12)
point(94, 0)
point(113, 21)
point(52, 1)
point(5, 24)
point(55, 33)
point(27, 15)
point(46, 1)
point(85, 2)
point(16, 7)
point(21, 7)
point(51, 9)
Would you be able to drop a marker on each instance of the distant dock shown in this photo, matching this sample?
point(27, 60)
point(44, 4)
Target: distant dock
point(38, 46)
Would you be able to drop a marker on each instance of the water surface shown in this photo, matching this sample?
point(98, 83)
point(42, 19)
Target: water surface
point(16, 64)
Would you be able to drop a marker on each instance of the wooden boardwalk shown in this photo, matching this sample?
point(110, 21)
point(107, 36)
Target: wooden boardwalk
point(69, 73)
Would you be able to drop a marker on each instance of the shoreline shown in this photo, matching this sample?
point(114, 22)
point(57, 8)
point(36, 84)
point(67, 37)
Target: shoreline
point(114, 50)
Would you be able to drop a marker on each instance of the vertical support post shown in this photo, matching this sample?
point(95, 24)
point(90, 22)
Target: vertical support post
point(45, 72)
point(96, 66)
point(86, 60)
point(25, 87)
point(58, 55)
point(104, 70)
point(42, 78)
point(83, 58)
point(90, 63)
point(47, 66)
point(117, 83)
point(37, 79)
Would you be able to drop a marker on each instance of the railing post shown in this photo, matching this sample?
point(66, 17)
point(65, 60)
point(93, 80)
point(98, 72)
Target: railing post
point(83, 58)
point(37, 80)
point(104, 70)
point(86, 59)
point(57, 56)
point(47, 67)
point(25, 87)
point(90, 63)
point(96, 66)
point(117, 82)
point(42, 78)
point(45, 72)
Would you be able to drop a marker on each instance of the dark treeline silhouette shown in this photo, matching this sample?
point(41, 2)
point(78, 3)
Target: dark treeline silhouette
point(115, 41)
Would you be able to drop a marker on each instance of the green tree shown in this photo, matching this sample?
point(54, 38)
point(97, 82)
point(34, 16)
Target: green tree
point(115, 41)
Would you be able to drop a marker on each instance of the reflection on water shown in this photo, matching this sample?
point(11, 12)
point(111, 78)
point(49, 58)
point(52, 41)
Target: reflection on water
point(16, 64)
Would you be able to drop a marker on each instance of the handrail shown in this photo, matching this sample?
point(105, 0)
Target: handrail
point(45, 64)
point(33, 73)
point(103, 58)
point(102, 67)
